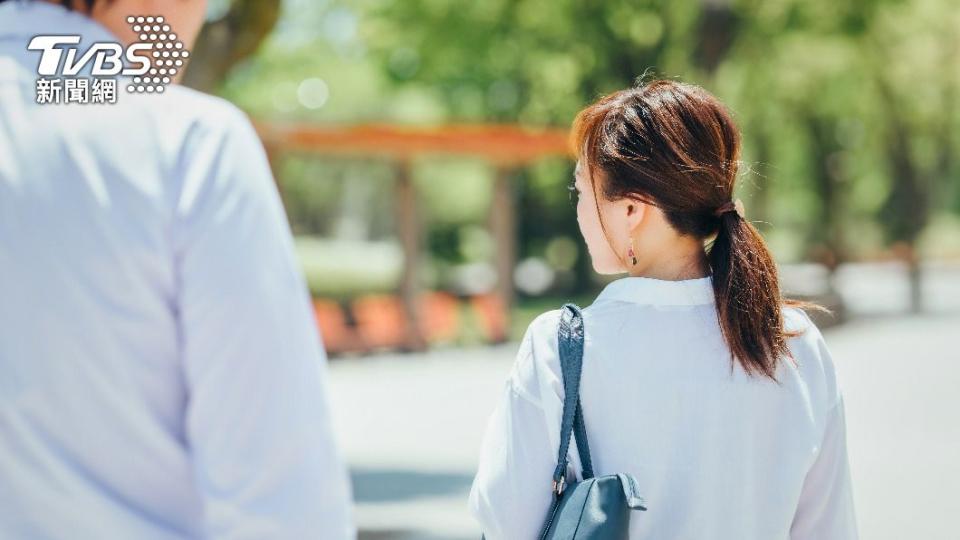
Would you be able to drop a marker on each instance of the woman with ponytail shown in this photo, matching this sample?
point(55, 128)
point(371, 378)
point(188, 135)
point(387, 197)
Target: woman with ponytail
point(699, 379)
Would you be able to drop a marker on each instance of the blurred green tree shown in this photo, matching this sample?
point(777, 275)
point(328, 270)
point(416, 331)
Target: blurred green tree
point(849, 109)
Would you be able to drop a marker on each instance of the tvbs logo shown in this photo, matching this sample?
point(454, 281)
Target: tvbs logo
point(148, 64)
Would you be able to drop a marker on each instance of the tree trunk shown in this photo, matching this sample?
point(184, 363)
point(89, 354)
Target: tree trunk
point(226, 41)
point(824, 151)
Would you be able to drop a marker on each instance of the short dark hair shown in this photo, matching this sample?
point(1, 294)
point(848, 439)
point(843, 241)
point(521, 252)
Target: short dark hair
point(69, 3)
point(89, 3)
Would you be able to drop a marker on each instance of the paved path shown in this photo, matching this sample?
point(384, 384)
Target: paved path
point(410, 426)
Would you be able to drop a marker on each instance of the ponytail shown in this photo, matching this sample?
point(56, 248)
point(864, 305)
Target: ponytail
point(747, 293)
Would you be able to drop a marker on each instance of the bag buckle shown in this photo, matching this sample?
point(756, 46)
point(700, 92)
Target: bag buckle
point(558, 486)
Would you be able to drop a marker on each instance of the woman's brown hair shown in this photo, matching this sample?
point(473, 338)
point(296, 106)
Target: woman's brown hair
point(675, 146)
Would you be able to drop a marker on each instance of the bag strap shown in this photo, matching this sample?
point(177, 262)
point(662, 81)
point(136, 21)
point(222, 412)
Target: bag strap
point(571, 342)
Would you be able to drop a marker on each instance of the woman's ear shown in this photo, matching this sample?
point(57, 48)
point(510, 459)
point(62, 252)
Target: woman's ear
point(636, 210)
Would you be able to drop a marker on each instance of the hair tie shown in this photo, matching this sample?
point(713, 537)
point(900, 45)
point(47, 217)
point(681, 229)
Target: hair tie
point(730, 206)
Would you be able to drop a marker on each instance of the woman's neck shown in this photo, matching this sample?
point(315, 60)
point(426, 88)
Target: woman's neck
point(673, 265)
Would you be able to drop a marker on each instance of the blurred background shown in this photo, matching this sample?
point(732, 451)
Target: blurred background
point(420, 147)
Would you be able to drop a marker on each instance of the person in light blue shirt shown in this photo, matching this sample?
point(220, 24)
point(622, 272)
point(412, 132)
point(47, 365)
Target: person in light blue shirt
point(161, 376)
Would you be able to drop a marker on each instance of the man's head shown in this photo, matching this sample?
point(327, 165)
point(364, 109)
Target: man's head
point(184, 16)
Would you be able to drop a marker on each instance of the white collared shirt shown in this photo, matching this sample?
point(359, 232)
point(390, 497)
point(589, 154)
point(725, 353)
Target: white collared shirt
point(718, 455)
point(161, 376)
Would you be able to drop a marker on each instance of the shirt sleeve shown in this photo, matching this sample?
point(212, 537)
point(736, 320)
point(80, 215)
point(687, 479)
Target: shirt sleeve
point(257, 423)
point(511, 493)
point(825, 510)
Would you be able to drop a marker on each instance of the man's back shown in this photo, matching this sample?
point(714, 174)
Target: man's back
point(161, 377)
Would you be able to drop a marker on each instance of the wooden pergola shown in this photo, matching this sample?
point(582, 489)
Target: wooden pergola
point(506, 147)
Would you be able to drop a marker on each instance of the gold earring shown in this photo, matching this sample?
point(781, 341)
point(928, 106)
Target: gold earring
point(631, 253)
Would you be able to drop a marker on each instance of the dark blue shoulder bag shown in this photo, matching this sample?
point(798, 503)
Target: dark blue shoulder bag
point(594, 508)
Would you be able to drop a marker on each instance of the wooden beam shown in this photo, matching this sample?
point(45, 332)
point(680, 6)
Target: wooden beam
point(408, 230)
point(274, 156)
point(503, 226)
point(498, 144)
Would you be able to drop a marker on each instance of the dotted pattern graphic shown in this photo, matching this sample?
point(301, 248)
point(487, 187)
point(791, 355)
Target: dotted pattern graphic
point(168, 54)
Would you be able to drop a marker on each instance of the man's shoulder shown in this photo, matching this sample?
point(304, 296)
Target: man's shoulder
point(168, 121)
point(192, 107)
point(197, 130)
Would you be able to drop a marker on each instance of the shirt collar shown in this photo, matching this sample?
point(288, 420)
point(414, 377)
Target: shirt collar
point(27, 18)
point(644, 290)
